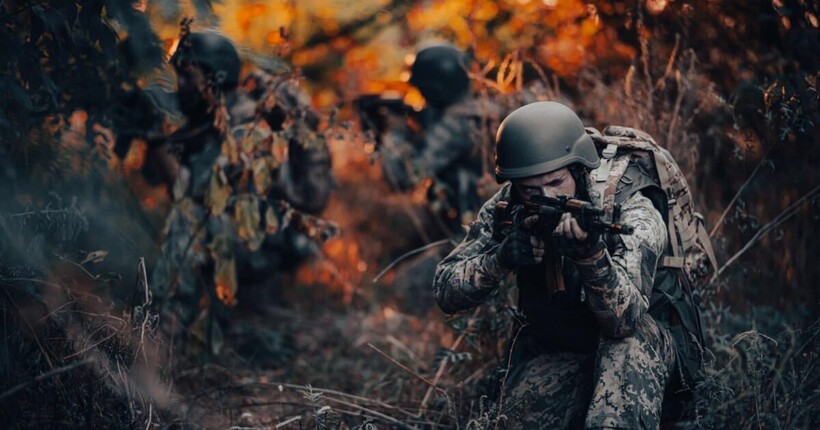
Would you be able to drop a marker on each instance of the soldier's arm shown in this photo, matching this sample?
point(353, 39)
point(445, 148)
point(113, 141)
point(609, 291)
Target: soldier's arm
point(444, 144)
point(618, 284)
point(307, 176)
point(161, 165)
point(472, 270)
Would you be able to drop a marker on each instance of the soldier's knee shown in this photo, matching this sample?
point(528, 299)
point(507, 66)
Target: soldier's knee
point(650, 344)
point(646, 331)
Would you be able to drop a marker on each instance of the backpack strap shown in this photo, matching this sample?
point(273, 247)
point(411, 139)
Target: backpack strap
point(602, 172)
point(676, 259)
point(607, 177)
point(706, 242)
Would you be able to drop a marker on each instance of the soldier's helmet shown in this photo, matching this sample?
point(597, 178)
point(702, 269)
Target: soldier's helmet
point(439, 72)
point(539, 138)
point(214, 53)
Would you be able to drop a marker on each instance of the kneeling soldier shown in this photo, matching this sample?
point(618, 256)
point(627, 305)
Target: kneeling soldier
point(590, 355)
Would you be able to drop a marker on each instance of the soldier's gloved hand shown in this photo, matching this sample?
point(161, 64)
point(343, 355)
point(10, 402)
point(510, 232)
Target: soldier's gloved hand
point(520, 247)
point(397, 167)
point(574, 242)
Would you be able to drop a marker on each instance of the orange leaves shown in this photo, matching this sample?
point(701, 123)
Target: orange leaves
point(247, 219)
point(225, 295)
point(256, 24)
point(275, 38)
point(224, 269)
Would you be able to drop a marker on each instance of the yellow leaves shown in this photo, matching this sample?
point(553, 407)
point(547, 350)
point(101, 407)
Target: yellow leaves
point(256, 24)
point(224, 269)
point(656, 6)
point(247, 219)
point(484, 11)
point(271, 221)
point(414, 99)
point(279, 149)
point(218, 193)
point(275, 38)
point(262, 175)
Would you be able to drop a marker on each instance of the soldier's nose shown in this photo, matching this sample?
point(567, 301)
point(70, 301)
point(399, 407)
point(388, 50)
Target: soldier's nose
point(546, 192)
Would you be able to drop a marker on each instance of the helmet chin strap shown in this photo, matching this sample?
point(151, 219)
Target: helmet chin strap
point(580, 176)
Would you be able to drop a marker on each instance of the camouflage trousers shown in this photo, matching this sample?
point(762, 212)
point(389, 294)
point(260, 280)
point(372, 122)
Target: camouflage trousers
point(186, 267)
point(620, 386)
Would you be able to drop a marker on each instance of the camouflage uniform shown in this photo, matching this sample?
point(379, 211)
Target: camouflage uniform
point(219, 210)
point(590, 355)
point(450, 152)
point(228, 223)
point(305, 181)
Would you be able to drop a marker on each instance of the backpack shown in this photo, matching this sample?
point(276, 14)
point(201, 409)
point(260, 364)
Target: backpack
point(632, 161)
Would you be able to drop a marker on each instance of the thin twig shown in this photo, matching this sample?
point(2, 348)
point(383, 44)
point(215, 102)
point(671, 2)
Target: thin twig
point(142, 280)
point(405, 368)
point(44, 376)
point(787, 213)
point(506, 374)
point(678, 102)
point(740, 191)
point(377, 414)
point(324, 391)
point(408, 255)
point(65, 259)
point(441, 368)
point(31, 329)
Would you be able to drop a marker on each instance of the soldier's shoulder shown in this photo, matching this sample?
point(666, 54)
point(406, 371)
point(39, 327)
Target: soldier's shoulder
point(472, 106)
point(291, 95)
point(501, 195)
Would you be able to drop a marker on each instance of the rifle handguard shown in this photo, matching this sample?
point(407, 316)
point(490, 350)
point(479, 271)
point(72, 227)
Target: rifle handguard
point(590, 217)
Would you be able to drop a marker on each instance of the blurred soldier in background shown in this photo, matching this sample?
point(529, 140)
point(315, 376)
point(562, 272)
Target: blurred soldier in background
point(450, 151)
point(304, 181)
point(452, 146)
point(230, 187)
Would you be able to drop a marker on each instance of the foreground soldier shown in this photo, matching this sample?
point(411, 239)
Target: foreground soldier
point(590, 355)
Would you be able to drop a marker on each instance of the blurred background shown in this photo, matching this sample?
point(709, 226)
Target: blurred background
point(729, 87)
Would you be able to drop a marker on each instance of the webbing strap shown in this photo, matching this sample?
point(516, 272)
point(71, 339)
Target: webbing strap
point(671, 262)
point(611, 185)
point(663, 176)
point(602, 172)
point(703, 236)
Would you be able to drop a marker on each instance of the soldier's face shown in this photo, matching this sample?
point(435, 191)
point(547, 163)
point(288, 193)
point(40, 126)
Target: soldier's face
point(552, 184)
point(192, 90)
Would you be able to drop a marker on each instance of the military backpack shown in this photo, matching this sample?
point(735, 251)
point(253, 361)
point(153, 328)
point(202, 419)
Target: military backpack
point(632, 161)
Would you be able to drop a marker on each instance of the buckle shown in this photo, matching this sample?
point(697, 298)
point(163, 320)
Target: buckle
point(610, 151)
point(602, 172)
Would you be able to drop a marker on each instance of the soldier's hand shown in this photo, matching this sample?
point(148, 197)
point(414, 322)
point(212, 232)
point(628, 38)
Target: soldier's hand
point(520, 247)
point(575, 242)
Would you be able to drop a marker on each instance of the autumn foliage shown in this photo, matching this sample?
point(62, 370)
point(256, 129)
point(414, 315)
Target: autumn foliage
point(730, 88)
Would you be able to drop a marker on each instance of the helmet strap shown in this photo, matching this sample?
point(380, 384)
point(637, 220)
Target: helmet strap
point(581, 176)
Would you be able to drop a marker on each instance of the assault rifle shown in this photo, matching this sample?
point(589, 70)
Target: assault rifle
point(590, 217)
point(374, 111)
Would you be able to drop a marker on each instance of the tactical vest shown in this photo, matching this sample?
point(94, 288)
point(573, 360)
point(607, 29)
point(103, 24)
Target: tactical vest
point(631, 161)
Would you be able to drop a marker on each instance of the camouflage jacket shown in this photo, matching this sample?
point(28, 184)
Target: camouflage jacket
point(303, 178)
point(614, 289)
point(233, 193)
point(450, 151)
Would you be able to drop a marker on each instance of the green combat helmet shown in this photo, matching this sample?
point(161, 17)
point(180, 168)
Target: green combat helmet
point(539, 138)
point(439, 73)
point(214, 53)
